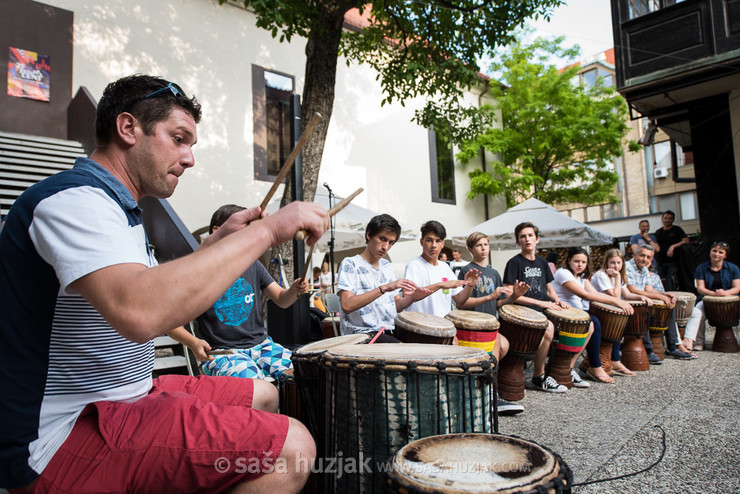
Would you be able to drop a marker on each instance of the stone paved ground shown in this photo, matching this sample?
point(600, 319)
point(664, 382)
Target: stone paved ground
point(609, 430)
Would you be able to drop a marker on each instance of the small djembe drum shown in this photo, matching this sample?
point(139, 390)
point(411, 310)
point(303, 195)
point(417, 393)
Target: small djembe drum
point(723, 313)
point(524, 328)
point(465, 463)
point(682, 310)
point(660, 316)
point(634, 356)
point(613, 321)
point(475, 329)
point(571, 331)
point(420, 327)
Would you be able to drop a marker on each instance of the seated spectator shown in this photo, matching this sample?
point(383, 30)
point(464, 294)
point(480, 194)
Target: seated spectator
point(716, 277)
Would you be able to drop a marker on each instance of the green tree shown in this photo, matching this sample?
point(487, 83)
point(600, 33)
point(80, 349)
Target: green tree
point(417, 48)
point(557, 138)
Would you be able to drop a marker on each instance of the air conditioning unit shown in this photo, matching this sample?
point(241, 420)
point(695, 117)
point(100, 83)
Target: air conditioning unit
point(660, 172)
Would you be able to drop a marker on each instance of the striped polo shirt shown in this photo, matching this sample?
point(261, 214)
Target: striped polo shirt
point(58, 354)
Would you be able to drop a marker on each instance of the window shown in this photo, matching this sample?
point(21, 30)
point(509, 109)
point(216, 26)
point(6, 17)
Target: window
point(662, 154)
point(638, 8)
point(688, 205)
point(666, 202)
point(441, 164)
point(599, 73)
point(610, 211)
point(271, 94)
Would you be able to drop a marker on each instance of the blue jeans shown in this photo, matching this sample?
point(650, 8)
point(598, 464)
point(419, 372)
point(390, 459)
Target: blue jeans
point(594, 345)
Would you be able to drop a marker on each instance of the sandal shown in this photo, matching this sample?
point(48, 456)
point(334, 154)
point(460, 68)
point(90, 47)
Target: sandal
point(599, 379)
point(625, 372)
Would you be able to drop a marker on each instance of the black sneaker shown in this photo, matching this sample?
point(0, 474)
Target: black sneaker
point(507, 407)
point(654, 359)
point(548, 384)
point(678, 354)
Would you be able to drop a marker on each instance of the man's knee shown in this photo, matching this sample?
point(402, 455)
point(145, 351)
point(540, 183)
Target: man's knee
point(299, 449)
point(265, 396)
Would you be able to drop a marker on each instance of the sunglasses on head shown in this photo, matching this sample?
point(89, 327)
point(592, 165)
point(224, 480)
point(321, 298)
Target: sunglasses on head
point(724, 245)
point(170, 88)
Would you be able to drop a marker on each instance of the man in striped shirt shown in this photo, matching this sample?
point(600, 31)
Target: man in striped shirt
point(81, 298)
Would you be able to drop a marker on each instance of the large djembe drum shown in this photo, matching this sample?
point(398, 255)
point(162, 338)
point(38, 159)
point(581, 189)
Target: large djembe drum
point(306, 370)
point(660, 317)
point(524, 328)
point(634, 356)
point(378, 398)
point(571, 331)
point(723, 313)
point(420, 327)
point(475, 329)
point(467, 463)
point(685, 302)
point(613, 321)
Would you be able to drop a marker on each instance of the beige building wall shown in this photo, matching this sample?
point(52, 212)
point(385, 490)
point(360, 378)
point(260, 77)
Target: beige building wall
point(209, 49)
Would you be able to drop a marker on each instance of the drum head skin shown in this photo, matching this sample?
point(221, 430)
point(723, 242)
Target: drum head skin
point(636, 303)
point(683, 295)
point(470, 319)
point(467, 463)
point(658, 303)
point(404, 352)
point(607, 307)
point(523, 315)
point(570, 314)
point(423, 323)
point(722, 300)
point(318, 347)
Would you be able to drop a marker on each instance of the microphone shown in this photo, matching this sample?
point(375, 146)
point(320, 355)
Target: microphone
point(326, 185)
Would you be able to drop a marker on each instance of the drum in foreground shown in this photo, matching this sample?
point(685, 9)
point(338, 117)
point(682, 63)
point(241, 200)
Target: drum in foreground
point(377, 398)
point(420, 327)
point(723, 313)
point(571, 331)
point(467, 463)
point(475, 329)
point(307, 374)
point(634, 356)
point(613, 321)
point(685, 302)
point(660, 316)
point(524, 328)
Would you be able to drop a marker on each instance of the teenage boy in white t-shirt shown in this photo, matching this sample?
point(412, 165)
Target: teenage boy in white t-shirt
point(366, 284)
point(437, 277)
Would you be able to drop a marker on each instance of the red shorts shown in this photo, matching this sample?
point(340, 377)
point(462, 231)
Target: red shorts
point(190, 434)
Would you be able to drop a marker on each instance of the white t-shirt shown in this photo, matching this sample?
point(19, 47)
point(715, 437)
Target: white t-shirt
point(423, 274)
point(603, 282)
point(563, 276)
point(358, 276)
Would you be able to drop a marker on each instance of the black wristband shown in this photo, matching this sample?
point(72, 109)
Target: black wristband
point(381, 290)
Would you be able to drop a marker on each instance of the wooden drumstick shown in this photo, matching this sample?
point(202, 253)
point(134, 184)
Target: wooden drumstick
point(302, 234)
point(291, 158)
point(308, 264)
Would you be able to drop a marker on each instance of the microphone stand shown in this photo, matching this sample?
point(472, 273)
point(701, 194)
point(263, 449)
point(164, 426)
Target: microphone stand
point(331, 240)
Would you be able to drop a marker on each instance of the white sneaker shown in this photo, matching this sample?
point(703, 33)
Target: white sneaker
point(577, 381)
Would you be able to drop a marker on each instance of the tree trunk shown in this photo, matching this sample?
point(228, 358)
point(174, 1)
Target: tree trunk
point(322, 56)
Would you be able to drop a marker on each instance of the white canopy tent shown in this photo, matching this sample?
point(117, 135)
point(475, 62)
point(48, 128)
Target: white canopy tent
point(556, 229)
point(349, 225)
